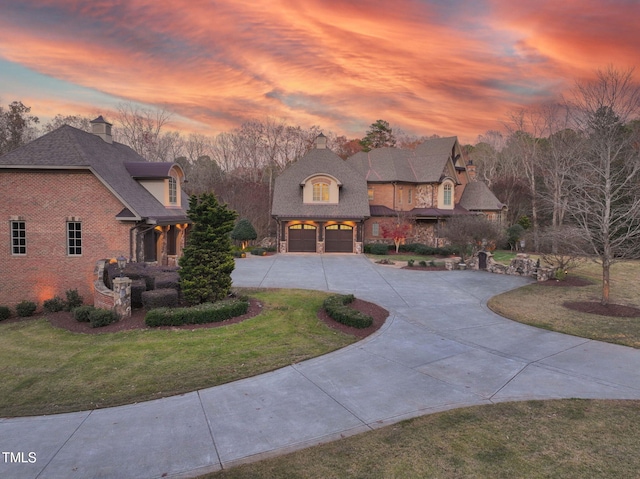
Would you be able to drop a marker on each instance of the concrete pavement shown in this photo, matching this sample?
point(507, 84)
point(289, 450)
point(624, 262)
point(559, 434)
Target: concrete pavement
point(441, 348)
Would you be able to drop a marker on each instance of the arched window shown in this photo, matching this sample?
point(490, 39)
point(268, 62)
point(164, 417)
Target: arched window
point(448, 194)
point(320, 192)
point(173, 190)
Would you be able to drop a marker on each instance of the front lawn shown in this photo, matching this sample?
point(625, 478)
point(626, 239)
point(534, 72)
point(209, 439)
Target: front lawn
point(524, 305)
point(46, 370)
point(533, 439)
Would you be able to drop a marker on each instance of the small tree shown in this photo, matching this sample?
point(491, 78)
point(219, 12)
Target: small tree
point(397, 231)
point(244, 232)
point(207, 263)
point(468, 233)
point(379, 135)
point(563, 247)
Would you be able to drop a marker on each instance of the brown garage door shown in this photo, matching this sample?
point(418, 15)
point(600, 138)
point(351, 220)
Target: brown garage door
point(339, 239)
point(302, 239)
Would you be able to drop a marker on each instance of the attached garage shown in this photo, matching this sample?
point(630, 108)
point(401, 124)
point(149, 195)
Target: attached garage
point(302, 239)
point(339, 239)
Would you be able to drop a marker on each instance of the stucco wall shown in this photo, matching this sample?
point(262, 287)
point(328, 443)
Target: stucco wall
point(45, 200)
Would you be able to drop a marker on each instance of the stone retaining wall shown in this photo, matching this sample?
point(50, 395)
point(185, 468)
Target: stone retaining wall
point(521, 265)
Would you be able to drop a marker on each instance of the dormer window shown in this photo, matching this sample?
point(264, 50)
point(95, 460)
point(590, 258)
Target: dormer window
point(173, 190)
point(321, 192)
point(448, 194)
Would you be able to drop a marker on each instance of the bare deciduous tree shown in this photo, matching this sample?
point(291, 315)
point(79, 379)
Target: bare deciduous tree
point(605, 183)
point(141, 129)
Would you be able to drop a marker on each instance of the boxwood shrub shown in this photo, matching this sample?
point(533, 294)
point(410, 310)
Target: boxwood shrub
point(5, 312)
point(159, 298)
point(54, 304)
point(376, 248)
point(199, 314)
point(101, 317)
point(258, 251)
point(336, 307)
point(26, 308)
point(138, 286)
point(73, 299)
point(82, 313)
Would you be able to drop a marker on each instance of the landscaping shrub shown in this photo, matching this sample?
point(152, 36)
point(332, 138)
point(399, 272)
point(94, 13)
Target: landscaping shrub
point(258, 251)
point(159, 298)
point(82, 313)
point(423, 263)
point(26, 308)
point(239, 254)
point(138, 286)
point(101, 317)
point(54, 304)
point(336, 307)
point(199, 314)
point(376, 248)
point(5, 312)
point(410, 263)
point(74, 299)
point(166, 280)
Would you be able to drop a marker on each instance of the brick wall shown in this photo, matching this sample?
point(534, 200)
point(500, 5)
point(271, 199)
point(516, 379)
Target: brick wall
point(44, 200)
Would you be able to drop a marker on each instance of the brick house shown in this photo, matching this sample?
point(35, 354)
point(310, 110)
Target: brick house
point(423, 187)
point(72, 198)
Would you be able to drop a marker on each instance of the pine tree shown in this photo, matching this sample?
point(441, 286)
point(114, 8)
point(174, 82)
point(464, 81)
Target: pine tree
point(207, 263)
point(244, 232)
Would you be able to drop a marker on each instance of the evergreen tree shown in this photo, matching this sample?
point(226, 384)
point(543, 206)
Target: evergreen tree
point(244, 232)
point(379, 135)
point(207, 263)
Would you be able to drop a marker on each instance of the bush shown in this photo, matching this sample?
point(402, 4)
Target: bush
point(166, 280)
point(258, 251)
point(410, 263)
point(54, 304)
point(26, 308)
point(74, 299)
point(82, 313)
point(5, 312)
point(336, 307)
point(199, 314)
point(159, 298)
point(101, 317)
point(423, 263)
point(138, 286)
point(376, 248)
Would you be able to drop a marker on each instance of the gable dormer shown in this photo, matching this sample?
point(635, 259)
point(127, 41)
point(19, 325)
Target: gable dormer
point(321, 189)
point(163, 180)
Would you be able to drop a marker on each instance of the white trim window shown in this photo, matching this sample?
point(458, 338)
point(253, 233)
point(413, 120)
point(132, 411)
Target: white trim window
point(74, 238)
point(447, 199)
point(173, 190)
point(18, 238)
point(320, 192)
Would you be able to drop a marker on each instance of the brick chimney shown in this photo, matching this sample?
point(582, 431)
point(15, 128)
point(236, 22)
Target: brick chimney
point(321, 141)
point(101, 128)
point(471, 170)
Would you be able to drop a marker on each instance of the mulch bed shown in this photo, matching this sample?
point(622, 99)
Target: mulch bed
point(595, 307)
point(65, 320)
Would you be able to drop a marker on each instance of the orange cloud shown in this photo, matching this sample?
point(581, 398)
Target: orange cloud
point(445, 68)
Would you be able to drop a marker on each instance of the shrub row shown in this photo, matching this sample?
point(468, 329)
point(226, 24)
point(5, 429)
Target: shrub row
point(376, 248)
point(159, 298)
point(96, 317)
point(200, 314)
point(423, 249)
point(336, 307)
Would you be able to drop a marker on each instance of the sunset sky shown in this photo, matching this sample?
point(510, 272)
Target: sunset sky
point(446, 67)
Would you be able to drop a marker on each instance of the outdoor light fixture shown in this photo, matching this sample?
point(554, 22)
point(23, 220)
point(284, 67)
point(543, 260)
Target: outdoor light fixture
point(122, 262)
point(522, 243)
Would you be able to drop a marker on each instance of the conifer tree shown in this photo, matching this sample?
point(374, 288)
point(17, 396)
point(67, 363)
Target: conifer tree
point(207, 263)
point(244, 232)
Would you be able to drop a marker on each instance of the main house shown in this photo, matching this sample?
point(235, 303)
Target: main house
point(324, 204)
point(72, 198)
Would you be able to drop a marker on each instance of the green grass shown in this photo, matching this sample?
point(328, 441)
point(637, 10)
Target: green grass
point(46, 370)
point(524, 305)
point(534, 439)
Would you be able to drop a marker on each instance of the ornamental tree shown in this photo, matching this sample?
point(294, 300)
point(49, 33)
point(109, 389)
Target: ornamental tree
point(398, 232)
point(207, 262)
point(244, 232)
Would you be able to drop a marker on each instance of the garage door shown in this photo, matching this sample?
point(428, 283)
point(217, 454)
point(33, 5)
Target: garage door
point(339, 239)
point(302, 239)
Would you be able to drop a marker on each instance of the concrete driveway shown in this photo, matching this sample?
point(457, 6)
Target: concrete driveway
point(441, 348)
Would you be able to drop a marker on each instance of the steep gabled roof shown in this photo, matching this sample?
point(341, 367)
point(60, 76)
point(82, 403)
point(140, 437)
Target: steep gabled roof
point(287, 196)
point(478, 197)
point(70, 148)
point(426, 164)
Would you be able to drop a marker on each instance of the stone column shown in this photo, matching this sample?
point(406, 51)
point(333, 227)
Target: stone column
point(122, 297)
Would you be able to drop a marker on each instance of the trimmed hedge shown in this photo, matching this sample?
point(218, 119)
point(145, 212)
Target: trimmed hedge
point(26, 308)
point(336, 307)
point(138, 286)
point(101, 317)
point(258, 251)
point(199, 314)
point(5, 312)
point(376, 248)
point(166, 280)
point(159, 298)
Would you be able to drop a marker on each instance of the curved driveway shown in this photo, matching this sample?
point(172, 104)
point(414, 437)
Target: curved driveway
point(441, 348)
